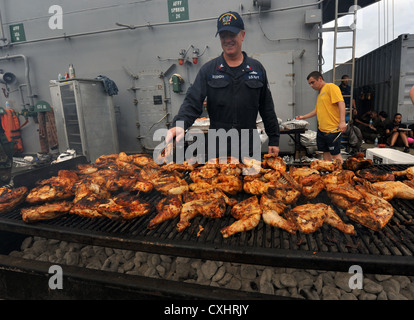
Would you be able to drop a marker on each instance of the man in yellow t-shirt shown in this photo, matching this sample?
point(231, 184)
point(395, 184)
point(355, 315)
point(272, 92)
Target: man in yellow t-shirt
point(330, 112)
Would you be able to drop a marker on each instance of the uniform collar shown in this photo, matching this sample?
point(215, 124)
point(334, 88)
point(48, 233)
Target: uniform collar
point(223, 66)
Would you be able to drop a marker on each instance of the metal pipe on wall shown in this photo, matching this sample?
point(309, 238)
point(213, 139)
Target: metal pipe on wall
point(2, 35)
point(26, 73)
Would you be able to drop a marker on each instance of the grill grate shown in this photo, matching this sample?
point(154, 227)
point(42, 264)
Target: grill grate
point(390, 250)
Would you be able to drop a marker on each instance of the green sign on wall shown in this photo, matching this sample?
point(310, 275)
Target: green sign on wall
point(178, 10)
point(17, 32)
point(42, 106)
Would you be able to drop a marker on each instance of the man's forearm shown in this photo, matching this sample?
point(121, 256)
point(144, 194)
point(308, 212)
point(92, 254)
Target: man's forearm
point(341, 107)
point(308, 115)
point(342, 123)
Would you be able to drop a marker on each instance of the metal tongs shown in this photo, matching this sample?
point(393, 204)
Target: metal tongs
point(339, 134)
point(166, 154)
point(337, 137)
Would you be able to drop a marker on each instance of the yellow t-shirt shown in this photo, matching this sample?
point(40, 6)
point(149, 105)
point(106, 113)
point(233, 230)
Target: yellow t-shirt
point(327, 110)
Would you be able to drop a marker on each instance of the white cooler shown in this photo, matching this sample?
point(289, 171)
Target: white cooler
point(389, 156)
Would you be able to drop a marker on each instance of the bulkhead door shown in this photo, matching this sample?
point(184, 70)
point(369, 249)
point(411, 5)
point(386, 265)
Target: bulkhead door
point(151, 108)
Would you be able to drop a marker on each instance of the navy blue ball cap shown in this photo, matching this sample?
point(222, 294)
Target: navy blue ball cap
point(230, 21)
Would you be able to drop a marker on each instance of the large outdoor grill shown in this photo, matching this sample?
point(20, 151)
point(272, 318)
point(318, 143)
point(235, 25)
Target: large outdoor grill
point(389, 251)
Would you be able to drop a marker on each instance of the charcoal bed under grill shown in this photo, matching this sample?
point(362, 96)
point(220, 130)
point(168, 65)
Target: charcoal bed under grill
point(389, 251)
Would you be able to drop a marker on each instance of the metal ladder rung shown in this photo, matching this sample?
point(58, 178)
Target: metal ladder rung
point(339, 29)
point(345, 13)
point(344, 47)
point(344, 63)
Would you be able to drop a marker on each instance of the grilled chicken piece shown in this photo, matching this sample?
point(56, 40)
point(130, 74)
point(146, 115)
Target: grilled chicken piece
point(84, 169)
point(299, 173)
point(275, 162)
point(54, 189)
point(257, 185)
point(210, 208)
point(223, 161)
point(246, 207)
point(372, 211)
point(284, 193)
point(338, 177)
point(246, 223)
point(409, 183)
point(200, 185)
point(134, 182)
point(48, 193)
point(105, 178)
point(90, 192)
point(394, 189)
point(335, 221)
point(107, 161)
point(325, 165)
point(125, 165)
point(273, 175)
point(308, 217)
point(343, 195)
point(310, 181)
point(170, 184)
point(10, 194)
point(357, 162)
point(203, 173)
point(208, 193)
point(65, 179)
point(124, 206)
point(164, 181)
point(178, 167)
point(339, 186)
point(252, 167)
point(248, 214)
point(106, 158)
point(11, 198)
point(273, 210)
point(87, 206)
point(46, 211)
point(167, 208)
point(291, 182)
point(409, 173)
point(122, 156)
point(151, 171)
point(58, 188)
point(312, 186)
point(85, 187)
point(231, 169)
point(229, 184)
point(142, 160)
point(375, 174)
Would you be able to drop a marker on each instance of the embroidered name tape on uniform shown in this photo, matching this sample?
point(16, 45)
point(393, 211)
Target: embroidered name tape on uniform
point(218, 76)
point(254, 75)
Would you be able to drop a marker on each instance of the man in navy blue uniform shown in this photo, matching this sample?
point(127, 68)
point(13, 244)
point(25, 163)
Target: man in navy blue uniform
point(236, 88)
